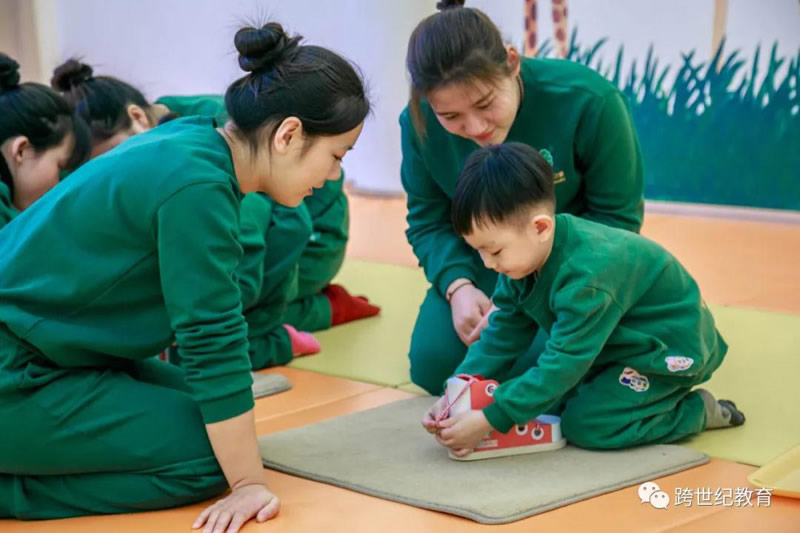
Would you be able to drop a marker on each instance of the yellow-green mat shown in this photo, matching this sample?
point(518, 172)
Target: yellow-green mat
point(413, 389)
point(374, 350)
point(761, 373)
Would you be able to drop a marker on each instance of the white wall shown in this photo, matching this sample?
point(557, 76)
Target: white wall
point(186, 46)
point(672, 27)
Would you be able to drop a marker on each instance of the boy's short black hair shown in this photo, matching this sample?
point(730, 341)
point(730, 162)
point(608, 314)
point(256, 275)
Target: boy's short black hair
point(497, 183)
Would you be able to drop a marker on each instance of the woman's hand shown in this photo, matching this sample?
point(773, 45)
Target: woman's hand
point(476, 333)
point(468, 306)
point(229, 514)
point(236, 449)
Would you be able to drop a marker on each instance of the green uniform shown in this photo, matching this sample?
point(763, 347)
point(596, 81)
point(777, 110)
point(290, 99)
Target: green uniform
point(204, 105)
point(323, 256)
point(273, 238)
point(629, 336)
point(568, 109)
point(136, 250)
point(7, 209)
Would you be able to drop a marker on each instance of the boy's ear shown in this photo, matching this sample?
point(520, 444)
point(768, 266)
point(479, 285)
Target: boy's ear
point(542, 226)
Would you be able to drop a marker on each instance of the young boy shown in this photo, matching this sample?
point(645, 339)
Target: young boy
point(629, 332)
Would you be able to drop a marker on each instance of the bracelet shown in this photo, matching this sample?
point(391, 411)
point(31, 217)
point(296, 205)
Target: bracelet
point(449, 295)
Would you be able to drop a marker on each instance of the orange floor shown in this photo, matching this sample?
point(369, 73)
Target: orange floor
point(743, 264)
point(311, 506)
point(747, 264)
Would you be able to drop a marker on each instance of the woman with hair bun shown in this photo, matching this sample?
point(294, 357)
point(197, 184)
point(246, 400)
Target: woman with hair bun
point(39, 137)
point(113, 109)
point(287, 293)
point(469, 89)
point(142, 245)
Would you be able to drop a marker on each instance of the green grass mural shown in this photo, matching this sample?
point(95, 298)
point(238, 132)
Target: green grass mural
point(726, 135)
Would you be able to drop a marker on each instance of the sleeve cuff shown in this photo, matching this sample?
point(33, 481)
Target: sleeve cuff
point(228, 407)
point(498, 418)
point(450, 275)
point(284, 359)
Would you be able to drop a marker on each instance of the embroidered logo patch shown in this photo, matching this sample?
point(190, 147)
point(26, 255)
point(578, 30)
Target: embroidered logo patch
point(558, 177)
point(547, 156)
point(634, 380)
point(676, 363)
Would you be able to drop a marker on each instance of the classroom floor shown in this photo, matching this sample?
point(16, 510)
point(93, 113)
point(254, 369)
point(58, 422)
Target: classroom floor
point(743, 264)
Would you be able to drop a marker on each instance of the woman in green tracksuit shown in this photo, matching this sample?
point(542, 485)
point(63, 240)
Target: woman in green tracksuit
point(39, 136)
point(468, 90)
point(312, 307)
point(137, 249)
point(318, 252)
point(273, 239)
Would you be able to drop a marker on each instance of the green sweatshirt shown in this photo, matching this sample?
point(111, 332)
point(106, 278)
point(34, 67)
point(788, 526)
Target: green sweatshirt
point(205, 105)
point(7, 209)
point(255, 217)
point(568, 109)
point(604, 296)
point(137, 244)
point(256, 210)
point(213, 105)
point(327, 208)
point(329, 224)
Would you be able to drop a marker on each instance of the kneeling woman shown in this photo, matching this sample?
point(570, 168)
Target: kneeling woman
point(138, 249)
point(288, 287)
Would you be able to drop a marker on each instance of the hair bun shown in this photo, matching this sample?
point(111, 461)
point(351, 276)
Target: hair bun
point(448, 4)
point(263, 48)
point(70, 74)
point(9, 73)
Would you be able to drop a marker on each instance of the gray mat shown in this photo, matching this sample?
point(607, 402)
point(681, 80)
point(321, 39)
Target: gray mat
point(385, 452)
point(269, 384)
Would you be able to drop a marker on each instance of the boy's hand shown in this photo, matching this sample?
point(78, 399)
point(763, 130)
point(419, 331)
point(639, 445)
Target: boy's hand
point(429, 420)
point(468, 306)
point(476, 333)
point(464, 431)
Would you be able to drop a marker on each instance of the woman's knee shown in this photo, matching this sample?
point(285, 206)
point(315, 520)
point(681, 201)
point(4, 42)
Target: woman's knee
point(434, 357)
point(193, 481)
point(429, 373)
point(436, 351)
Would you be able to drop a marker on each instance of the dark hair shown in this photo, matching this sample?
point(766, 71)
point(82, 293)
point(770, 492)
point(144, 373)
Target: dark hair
point(499, 182)
point(287, 79)
point(102, 101)
point(458, 44)
point(38, 113)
